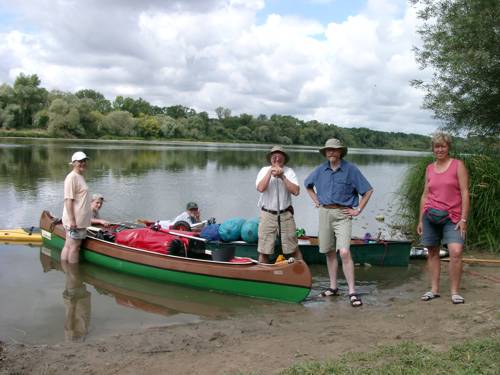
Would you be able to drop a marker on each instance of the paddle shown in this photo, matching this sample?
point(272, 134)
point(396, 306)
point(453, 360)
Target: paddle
point(280, 257)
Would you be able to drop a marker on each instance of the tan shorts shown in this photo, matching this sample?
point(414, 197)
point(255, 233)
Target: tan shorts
point(335, 229)
point(268, 230)
point(77, 234)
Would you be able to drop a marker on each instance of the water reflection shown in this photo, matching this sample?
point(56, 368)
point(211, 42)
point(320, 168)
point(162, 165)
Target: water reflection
point(31, 163)
point(136, 293)
point(76, 302)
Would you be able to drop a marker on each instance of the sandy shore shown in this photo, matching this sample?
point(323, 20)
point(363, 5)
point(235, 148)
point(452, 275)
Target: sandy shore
point(266, 342)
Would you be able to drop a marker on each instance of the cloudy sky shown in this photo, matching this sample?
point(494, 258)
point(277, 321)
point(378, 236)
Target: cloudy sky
point(347, 62)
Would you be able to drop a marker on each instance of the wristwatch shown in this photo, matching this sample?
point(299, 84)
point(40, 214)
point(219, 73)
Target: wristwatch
point(358, 209)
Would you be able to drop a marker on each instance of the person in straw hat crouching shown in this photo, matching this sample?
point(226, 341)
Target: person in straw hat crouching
point(335, 186)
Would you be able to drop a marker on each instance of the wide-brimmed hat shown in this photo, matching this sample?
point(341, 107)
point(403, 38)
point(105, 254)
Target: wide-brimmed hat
point(333, 143)
point(191, 206)
point(277, 149)
point(78, 156)
point(97, 196)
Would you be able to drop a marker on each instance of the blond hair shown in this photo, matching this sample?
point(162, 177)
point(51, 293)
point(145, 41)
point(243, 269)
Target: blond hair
point(440, 138)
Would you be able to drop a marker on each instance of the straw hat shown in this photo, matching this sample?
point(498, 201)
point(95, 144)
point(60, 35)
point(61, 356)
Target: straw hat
point(277, 149)
point(333, 143)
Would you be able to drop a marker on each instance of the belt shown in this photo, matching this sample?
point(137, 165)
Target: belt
point(333, 206)
point(288, 209)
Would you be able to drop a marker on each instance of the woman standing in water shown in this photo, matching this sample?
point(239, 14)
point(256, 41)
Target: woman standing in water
point(444, 208)
point(76, 213)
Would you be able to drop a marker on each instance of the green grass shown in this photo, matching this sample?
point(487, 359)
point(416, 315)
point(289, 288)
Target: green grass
point(475, 357)
point(484, 187)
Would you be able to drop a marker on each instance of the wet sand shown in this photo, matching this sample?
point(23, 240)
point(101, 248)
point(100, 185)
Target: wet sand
point(267, 342)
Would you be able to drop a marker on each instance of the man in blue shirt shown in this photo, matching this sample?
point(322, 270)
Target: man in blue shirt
point(335, 187)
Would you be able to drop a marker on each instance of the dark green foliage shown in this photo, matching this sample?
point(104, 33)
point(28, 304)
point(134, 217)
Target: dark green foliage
point(87, 113)
point(484, 188)
point(461, 42)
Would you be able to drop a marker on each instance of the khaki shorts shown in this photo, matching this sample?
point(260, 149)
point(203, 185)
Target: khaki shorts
point(76, 234)
point(335, 229)
point(268, 230)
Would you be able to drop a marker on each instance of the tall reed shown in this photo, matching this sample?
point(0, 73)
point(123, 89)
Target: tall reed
point(483, 224)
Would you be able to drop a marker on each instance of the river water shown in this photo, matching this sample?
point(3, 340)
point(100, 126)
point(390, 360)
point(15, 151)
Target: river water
point(153, 181)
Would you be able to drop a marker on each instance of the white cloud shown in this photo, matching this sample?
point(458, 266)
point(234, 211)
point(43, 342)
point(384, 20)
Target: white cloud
point(206, 54)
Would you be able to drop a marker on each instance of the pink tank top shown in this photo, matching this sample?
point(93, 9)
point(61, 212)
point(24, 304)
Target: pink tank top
point(444, 190)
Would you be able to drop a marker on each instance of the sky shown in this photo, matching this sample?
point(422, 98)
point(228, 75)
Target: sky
point(342, 62)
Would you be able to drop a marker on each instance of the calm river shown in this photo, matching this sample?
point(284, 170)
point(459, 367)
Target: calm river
point(153, 181)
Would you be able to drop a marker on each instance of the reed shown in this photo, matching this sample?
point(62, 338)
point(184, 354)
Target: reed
point(484, 187)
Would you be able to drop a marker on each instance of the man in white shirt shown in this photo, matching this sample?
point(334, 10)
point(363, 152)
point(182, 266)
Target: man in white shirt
point(277, 183)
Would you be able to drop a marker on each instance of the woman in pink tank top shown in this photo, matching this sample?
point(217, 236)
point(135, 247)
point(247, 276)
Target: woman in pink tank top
point(444, 208)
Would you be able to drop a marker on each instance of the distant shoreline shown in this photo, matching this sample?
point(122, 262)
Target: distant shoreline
point(216, 144)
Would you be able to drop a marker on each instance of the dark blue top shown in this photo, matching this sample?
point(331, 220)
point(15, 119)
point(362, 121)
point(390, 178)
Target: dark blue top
point(342, 186)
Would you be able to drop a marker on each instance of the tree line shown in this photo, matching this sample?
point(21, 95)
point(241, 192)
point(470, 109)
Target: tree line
point(87, 113)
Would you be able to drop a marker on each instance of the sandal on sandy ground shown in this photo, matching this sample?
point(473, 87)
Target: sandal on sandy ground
point(355, 300)
point(429, 295)
point(457, 299)
point(329, 292)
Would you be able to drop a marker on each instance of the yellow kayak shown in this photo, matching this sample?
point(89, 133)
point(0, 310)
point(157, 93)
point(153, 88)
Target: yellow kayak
point(20, 234)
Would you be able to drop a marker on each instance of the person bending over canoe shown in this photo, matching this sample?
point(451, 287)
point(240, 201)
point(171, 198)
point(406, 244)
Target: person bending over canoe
point(191, 216)
point(96, 205)
point(277, 183)
point(76, 212)
point(334, 187)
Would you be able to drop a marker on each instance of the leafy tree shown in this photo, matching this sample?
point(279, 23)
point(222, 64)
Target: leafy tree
point(179, 111)
point(461, 41)
point(118, 123)
point(136, 107)
point(64, 119)
point(222, 113)
point(263, 134)
point(41, 119)
point(148, 126)
point(10, 116)
point(86, 107)
point(167, 126)
point(243, 133)
point(102, 104)
point(29, 97)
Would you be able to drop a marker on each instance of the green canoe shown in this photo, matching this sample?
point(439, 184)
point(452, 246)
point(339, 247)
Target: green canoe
point(374, 252)
point(288, 282)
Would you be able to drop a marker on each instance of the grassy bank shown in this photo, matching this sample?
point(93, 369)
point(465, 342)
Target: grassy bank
point(476, 357)
point(484, 186)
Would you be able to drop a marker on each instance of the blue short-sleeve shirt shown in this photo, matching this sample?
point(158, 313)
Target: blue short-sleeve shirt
point(342, 186)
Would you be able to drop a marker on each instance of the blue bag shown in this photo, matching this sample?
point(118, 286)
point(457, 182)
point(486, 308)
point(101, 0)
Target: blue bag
point(211, 232)
point(230, 230)
point(250, 230)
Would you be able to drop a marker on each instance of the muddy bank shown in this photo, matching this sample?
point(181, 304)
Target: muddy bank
point(266, 342)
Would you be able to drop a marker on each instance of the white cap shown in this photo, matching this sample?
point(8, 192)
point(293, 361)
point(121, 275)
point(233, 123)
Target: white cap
point(79, 155)
point(97, 196)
